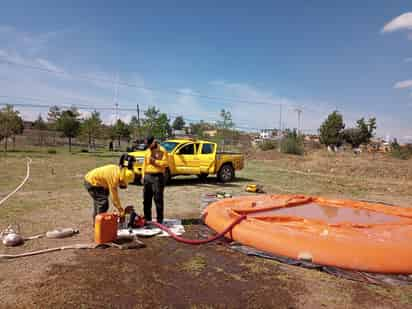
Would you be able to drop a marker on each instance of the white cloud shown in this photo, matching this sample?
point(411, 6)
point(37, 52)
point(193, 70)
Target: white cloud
point(59, 89)
point(258, 108)
point(11, 56)
point(47, 64)
point(408, 59)
point(402, 22)
point(189, 106)
point(403, 84)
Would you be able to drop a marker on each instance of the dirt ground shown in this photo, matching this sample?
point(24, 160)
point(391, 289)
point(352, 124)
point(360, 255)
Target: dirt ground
point(167, 274)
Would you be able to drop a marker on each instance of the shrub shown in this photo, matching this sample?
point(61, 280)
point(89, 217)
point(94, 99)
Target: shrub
point(268, 145)
point(330, 131)
point(403, 153)
point(292, 144)
point(51, 151)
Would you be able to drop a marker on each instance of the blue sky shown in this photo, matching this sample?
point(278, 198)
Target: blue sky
point(355, 56)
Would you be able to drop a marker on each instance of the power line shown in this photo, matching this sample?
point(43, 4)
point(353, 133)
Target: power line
point(132, 85)
point(88, 108)
point(50, 100)
point(67, 106)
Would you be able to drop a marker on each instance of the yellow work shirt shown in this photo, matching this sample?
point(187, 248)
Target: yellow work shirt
point(108, 177)
point(161, 161)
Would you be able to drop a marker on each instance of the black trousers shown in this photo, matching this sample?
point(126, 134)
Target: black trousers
point(153, 188)
point(100, 198)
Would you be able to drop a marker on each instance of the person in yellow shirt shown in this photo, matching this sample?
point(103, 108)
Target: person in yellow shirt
point(104, 181)
point(154, 166)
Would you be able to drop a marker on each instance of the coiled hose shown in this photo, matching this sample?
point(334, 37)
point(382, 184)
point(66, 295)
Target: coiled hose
point(201, 241)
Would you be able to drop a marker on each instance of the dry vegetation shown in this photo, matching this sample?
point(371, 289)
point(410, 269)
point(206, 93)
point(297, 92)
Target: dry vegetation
point(166, 273)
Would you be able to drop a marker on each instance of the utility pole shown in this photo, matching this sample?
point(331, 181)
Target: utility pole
point(299, 112)
point(138, 121)
point(115, 97)
point(280, 118)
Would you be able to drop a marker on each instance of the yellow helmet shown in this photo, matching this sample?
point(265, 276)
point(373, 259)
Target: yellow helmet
point(126, 176)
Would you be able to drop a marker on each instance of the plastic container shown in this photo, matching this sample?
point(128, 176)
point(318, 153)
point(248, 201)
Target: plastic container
point(105, 228)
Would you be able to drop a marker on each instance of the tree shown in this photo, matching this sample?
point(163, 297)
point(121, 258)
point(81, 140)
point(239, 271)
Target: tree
point(11, 124)
point(92, 128)
point(225, 127)
point(367, 128)
point(40, 125)
point(108, 132)
point(69, 124)
point(156, 123)
point(362, 134)
point(331, 130)
point(201, 126)
point(226, 122)
point(179, 123)
point(135, 128)
point(52, 116)
point(121, 130)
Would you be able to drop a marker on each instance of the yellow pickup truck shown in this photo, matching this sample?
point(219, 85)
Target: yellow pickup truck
point(195, 157)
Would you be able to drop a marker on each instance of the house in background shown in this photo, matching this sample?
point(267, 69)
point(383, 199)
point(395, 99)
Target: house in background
point(179, 133)
point(210, 133)
point(268, 134)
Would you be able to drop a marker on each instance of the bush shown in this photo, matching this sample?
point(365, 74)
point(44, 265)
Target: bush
point(268, 145)
point(403, 153)
point(51, 151)
point(292, 144)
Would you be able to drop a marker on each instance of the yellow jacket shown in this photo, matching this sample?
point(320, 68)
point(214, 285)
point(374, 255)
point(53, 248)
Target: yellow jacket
point(108, 177)
point(161, 161)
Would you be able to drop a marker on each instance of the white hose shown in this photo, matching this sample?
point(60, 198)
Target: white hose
point(77, 246)
point(29, 160)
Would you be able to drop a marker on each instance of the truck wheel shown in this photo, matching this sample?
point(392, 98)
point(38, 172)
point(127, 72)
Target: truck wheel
point(203, 176)
point(226, 173)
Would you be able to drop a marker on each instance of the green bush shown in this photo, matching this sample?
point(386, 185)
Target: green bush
point(51, 151)
point(268, 145)
point(292, 144)
point(403, 153)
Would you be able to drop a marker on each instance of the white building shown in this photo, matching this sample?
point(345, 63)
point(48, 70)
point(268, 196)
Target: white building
point(268, 134)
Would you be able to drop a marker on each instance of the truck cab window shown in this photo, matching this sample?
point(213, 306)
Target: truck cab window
point(207, 148)
point(187, 150)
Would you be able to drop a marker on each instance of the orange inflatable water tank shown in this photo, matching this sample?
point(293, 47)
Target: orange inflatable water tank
point(342, 233)
point(105, 228)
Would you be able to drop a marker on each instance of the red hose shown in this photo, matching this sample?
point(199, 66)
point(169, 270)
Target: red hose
point(202, 241)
